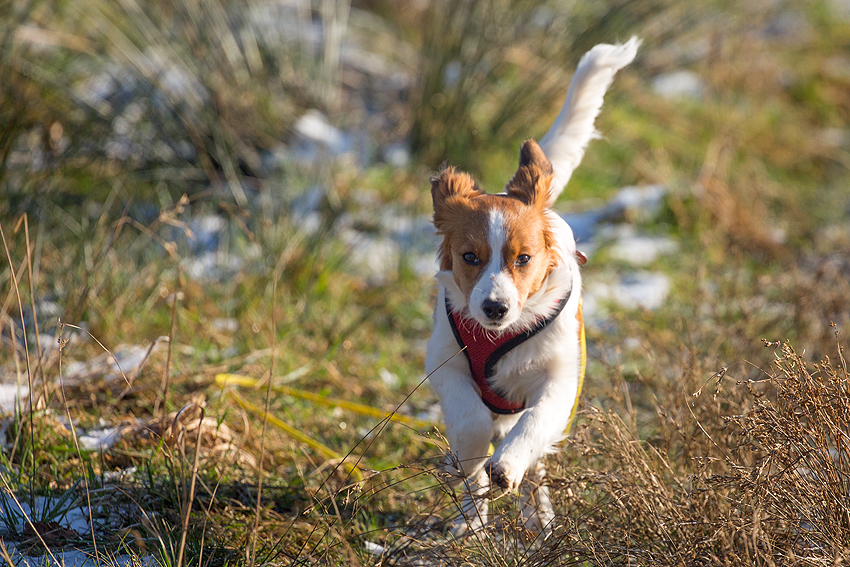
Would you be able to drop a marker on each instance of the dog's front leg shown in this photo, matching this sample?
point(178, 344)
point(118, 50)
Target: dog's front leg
point(474, 505)
point(469, 424)
point(469, 427)
point(540, 427)
point(526, 443)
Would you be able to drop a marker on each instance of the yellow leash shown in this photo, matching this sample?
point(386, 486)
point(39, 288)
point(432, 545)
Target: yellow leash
point(582, 364)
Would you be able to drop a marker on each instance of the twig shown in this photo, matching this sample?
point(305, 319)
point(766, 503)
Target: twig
point(188, 499)
point(175, 297)
point(39, 368)
point(27, 353)
point(265, 423)
point(77, 447)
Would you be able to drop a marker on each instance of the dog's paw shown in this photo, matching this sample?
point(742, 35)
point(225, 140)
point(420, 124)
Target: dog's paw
point(504, 476)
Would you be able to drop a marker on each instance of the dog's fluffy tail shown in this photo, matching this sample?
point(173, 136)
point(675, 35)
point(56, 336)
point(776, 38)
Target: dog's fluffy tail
point(566, 140)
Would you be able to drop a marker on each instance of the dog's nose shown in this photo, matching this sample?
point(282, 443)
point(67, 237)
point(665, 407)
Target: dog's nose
point(494, 310)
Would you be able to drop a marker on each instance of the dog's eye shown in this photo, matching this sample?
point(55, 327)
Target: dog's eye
point(471, 259)
point(522, 260)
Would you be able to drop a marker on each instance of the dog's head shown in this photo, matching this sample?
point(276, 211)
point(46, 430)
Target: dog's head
point(501, 248)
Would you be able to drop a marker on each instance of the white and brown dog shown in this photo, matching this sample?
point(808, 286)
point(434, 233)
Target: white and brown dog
point(510, 293)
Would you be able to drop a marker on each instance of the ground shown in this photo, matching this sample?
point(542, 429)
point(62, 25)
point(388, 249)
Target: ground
point(218, 259)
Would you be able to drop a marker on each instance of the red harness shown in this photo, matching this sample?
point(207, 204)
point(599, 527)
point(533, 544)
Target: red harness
point(483, 352)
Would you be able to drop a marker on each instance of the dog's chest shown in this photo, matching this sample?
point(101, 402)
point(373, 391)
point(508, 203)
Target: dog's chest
point(552, 354)
point(520, 372)
point(513, 381)
point(485, 351)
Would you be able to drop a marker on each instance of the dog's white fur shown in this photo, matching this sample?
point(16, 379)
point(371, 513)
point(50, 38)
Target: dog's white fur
point(543, 370)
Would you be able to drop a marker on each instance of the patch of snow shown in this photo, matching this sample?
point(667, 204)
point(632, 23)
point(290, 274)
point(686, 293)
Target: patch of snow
point(212, 266)
point(174, 82)
point(377, 253)
point(121, 363)
point(77, 558)
point(315, 133)
point(636, 290)
point(99, 439)
point(374, 549)
point(11, 395)
point(70, 516)
point(206, 232)
point(375, 257)
point(635, 203)
point(124, 475)
point(226, 324)
point(584, 225)
point(397, 154)
point(75, 518)
point(640, 249)
point(630, 204)
point(388, 377)
point(433, 414)
point(678, 85)
point(451, 74)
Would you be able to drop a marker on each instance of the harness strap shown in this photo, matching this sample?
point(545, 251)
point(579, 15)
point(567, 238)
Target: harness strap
point(483, 353)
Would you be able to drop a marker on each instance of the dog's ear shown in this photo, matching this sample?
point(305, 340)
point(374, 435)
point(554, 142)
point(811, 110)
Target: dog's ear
point(450, 187)
point(530, 184)
point(450, 190)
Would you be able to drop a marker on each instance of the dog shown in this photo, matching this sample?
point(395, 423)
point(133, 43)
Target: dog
point(510, 297)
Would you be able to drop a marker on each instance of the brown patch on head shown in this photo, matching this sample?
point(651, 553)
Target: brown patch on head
point(451, 193)
point(465, 217)
point(452, 184)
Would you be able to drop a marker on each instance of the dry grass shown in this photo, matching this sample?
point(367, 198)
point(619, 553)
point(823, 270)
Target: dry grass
point(751, 470)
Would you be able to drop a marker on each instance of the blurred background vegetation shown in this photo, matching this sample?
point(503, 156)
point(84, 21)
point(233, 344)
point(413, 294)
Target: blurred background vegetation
point(251, 179)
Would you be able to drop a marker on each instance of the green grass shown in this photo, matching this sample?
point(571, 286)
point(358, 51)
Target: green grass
point(653, 475)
